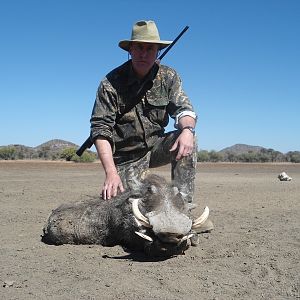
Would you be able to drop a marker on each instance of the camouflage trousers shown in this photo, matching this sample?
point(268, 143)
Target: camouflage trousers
point(183, 171)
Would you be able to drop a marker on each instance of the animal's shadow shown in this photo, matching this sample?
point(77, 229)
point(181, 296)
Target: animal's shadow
point(139, 257)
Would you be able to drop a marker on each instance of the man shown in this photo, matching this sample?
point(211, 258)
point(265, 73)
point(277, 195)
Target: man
point(127, 126)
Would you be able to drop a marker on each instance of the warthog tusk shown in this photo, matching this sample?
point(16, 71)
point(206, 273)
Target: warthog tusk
point(139, 216)
point(139, 224)
point(199, 221)
point(144, 236)
point(186, 237)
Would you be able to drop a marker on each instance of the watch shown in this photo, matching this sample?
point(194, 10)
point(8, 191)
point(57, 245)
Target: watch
point(190, 128)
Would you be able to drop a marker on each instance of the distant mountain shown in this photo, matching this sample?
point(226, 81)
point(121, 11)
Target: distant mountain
point(242, 148)
point(248, 153)
point(56, 145)
point(48, 150)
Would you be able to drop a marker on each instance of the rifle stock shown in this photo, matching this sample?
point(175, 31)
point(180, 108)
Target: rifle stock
point(88, 142)
point(86, 145)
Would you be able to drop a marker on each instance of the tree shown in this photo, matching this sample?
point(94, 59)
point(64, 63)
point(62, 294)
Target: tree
point(69, 154)
point(230, 156)
point(44, 152)
point(7, 153)
point(215, 156)
point(202, 156)
point(293, 156)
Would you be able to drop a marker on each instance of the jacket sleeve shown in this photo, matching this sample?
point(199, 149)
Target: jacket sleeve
point(104, 112)
point(179, 103)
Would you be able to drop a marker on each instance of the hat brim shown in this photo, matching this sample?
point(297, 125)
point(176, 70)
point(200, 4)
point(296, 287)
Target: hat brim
point(125, 44)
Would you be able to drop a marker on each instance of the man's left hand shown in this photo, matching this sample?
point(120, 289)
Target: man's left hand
point(184, 144)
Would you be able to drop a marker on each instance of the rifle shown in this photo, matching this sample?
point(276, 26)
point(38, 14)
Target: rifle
point(146, 85)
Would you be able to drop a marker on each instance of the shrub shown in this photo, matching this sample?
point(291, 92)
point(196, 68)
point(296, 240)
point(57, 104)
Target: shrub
point(202, 156)
point(69, 154)
point(293, 156)
point(7, 153)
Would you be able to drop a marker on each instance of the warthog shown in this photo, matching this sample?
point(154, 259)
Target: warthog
point(154, 218)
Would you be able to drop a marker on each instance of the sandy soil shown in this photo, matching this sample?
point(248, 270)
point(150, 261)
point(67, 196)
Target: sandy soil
point(253, 253)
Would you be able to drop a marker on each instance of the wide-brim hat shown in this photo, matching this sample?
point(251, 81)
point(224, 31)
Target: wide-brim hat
point(144, 32)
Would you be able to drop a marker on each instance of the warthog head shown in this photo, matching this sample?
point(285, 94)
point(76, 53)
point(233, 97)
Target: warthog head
point(164, 217)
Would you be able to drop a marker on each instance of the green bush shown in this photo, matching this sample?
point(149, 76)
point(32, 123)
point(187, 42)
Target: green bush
point(293, 156)
point(215, 156)
point(69, 154)
point(7, 153)
point(203, 156)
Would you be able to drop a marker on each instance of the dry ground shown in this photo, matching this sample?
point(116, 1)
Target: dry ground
point(253, 253)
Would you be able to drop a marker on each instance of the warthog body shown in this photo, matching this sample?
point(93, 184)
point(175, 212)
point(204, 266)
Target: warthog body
point(154, 218)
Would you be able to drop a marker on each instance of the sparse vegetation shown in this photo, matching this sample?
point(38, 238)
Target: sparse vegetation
point(7, 153)
point(259, 155)
point(69, 154)
point(52, 150)
point(63, 150)
point(293, 156)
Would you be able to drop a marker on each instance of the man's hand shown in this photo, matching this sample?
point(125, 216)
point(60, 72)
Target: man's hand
point(111, 186)
point(184, 144)
point(113, 182)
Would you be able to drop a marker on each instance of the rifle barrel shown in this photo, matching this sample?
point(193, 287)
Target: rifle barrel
point(173, 43)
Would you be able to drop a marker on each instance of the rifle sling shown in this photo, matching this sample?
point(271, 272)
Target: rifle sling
point(145, 86)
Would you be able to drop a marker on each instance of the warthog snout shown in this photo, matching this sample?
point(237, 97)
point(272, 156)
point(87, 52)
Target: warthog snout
point(168, 237)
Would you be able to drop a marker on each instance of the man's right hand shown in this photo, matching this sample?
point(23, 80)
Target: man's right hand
point(112, 185)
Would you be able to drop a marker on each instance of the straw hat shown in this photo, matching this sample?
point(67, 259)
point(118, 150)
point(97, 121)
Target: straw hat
point(144, 32)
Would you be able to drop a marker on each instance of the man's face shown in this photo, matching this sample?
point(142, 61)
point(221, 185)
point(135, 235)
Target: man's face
point(143, 57)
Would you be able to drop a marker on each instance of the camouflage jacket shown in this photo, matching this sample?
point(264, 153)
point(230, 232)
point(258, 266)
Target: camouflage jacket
point(137, 129)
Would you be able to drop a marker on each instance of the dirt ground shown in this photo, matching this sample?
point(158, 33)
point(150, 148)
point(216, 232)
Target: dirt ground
point(253, 253)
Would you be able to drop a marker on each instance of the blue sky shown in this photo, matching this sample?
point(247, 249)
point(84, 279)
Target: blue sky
point(239, 63)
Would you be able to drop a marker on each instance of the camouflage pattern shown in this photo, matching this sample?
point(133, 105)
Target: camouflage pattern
point(139, 128)
point(182, 172)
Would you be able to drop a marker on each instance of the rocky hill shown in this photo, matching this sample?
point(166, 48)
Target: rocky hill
point(56, 145)
point(242, 148)
point(248, 153)
point(48, 150)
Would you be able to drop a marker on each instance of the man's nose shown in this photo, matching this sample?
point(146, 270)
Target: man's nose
point(143, 52)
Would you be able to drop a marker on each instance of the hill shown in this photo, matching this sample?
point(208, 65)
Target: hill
point(56, 144)
point(248, 153)
point(242, 148)
point(49, 150)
